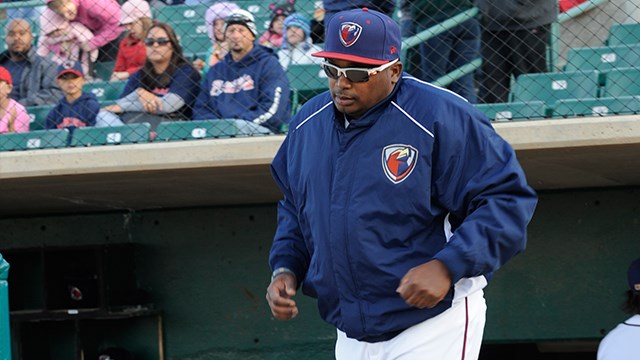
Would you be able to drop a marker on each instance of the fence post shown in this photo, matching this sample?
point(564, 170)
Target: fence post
point(5, 332)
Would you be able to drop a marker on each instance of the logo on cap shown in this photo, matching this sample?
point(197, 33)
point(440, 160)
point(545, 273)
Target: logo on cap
point(349, 33)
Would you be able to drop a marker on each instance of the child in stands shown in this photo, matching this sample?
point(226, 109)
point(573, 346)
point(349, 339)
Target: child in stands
point(136, 18)
point(64, 40)
point(13, 116)
point(75, 109)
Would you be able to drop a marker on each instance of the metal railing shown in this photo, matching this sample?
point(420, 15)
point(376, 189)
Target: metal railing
point(5, 330)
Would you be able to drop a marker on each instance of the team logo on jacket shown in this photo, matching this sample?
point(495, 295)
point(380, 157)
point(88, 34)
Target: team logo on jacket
point(349, 33)
point(398, 161)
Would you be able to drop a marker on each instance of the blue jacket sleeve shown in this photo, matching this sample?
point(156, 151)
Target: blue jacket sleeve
point(478, 178)
point(274, 105)
point(92, 109)
point(288, 249)
point(53, 118)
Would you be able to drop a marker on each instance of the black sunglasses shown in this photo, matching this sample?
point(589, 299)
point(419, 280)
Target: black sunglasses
point(162, 41)
point(353, 74)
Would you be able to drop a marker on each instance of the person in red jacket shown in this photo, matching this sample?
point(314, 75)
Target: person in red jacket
point(136, 18)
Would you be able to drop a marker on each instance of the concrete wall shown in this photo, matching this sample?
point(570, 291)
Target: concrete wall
point(207, 270)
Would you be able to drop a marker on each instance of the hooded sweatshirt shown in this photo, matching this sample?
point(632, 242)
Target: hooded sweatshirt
point(80, 113)
point(255, 89)
point(102, 17)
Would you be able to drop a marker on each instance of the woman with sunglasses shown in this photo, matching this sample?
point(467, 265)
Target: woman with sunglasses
point(163, 90)
point(400, 201)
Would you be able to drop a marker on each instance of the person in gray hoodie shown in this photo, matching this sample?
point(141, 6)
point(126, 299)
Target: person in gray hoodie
point(515, 36)
point(34, 75)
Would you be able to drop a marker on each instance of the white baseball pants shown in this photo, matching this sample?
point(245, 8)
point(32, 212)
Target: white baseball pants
point(456, 334)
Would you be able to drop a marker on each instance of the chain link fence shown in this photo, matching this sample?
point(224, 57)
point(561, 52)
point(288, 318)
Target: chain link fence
point(527, 60)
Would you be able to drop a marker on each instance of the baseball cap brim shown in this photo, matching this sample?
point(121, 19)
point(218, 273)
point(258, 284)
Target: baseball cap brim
point(69, 71)
point(348, 57)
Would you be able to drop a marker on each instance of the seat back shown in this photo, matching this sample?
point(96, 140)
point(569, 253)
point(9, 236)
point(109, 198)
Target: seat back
point(513, 111)
point(197, 129)
point(305, 81)
point(105, 91)
point(603, 58)
point(39, 139)
point(114, 135)
point(607, 106)
point(622, 82)
point(180, 12)
point(550, 87)
point(38, 116)
point(624, 34)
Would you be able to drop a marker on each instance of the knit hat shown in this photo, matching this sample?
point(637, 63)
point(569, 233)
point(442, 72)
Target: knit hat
point(50, 21)
point(217, 11)
point(133, 10)
point(70, 67)
point(296, 19)
point(5, 75)
point(633, 276)
point(362, 36)
point(284, 9)
point(242, 17)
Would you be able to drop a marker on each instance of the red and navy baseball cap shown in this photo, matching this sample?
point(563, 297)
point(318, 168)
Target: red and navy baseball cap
point(70, 67)
point(633, 276)
point(362, 36)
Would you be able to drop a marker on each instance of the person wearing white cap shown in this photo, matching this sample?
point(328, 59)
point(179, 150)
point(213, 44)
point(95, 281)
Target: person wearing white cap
point(399, 203)
point(136, 18)
point(248, 85)
point(621, 343)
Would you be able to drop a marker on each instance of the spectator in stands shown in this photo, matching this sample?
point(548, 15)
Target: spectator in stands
point(163, 90)
point(136, 18)
point(297, 47)
point(273, 36)
point(35, 75)
point(76, 108)
point(515, 36)
point(317, 24)
point(448, 50)
point(214, 21)
point(63, 40)
point(331, 7)
point(412, 63)
point(13, 116)
point(248, 84)
point(621, 342)
point(102, 17)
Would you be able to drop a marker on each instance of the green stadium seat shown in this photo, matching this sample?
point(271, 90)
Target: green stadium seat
point(105, 90)
point(175, 13)
point(197, 129)
point(104, 69)
point(622, 82)
point(38, 116)
point(188, 28)
point(194, 45)
point(115, 135)
point(550, 87)
point(597, 107)
point(624, 34)
point(39, 139)
point(305, 82)
point(531, 110)
point(603, 58)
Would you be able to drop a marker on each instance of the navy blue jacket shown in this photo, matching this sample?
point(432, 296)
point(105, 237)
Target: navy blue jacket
point(80, 113)
point(421, 176)
point(255, 89)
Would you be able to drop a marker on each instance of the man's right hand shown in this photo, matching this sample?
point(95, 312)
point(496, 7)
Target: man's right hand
point(279, 294)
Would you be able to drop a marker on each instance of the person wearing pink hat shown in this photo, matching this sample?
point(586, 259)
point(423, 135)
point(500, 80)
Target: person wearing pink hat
point(13, 116)
point(214, 21)
point(136, 18)
point(63, 40)
point(102, 17)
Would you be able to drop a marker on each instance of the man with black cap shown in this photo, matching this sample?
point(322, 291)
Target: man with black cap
point(400, 201)
point(248, 84)
point(621, 343)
